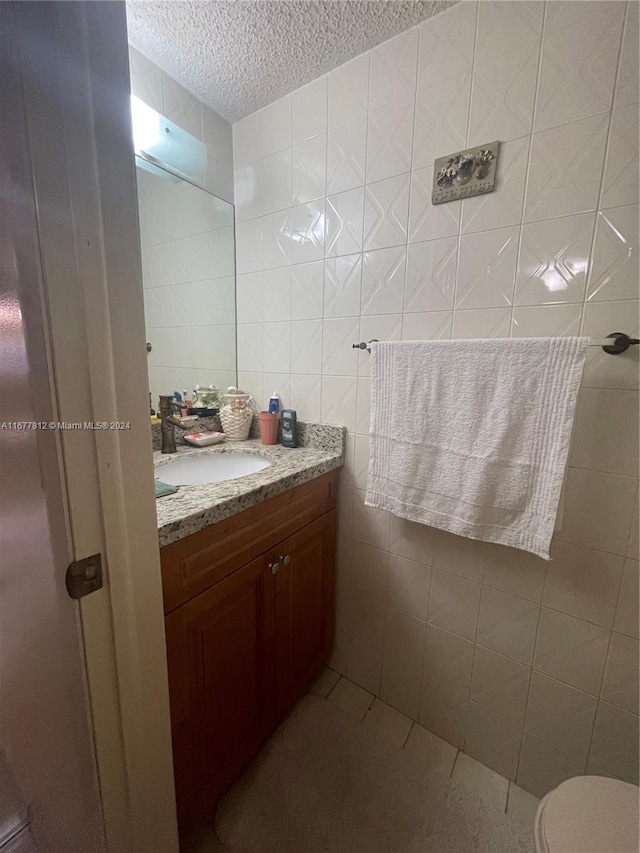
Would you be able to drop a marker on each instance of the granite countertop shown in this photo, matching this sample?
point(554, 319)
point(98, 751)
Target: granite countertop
point(192, 508)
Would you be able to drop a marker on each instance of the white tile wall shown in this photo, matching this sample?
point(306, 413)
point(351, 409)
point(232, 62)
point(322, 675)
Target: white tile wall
point(529, 666)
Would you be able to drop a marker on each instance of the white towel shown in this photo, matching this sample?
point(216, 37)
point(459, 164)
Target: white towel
point(472, 436)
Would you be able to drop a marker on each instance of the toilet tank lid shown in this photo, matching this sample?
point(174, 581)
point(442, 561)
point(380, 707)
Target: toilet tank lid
point(592, 814)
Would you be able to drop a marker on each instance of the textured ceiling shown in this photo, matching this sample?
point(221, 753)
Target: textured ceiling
point(239, 55)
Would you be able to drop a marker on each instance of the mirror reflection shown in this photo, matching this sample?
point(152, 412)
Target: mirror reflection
point(188, 276)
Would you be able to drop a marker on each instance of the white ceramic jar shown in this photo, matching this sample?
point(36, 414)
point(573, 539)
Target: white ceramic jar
point(236, 414)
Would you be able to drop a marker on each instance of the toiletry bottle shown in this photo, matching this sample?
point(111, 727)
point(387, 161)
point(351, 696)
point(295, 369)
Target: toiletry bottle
point(274, 404)
point(289, 428)
point(186, 403)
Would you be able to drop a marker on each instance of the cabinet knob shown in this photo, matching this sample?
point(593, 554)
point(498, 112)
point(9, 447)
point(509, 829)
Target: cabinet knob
point(286, 560)
point(275, 568)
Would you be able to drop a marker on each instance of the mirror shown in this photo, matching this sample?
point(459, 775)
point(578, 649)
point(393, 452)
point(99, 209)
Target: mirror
point(188, 276)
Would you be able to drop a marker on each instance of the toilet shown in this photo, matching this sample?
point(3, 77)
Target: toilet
point(588, 814)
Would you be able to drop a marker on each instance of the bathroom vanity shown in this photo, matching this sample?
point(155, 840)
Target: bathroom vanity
point(248, 570)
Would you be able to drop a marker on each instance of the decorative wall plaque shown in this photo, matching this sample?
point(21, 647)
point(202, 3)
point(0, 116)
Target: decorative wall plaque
point(466, 173)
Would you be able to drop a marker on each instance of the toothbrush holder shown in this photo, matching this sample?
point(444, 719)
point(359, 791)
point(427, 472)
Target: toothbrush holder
point(269, 425)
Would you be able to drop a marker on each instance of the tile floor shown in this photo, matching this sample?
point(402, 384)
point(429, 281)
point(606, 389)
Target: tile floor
point(437, 753)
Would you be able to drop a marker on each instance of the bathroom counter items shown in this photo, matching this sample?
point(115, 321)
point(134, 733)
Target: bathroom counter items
point(193, 508)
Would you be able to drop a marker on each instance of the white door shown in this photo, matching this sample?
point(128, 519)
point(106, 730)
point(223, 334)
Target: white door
point(84, 715)
point(45, 731)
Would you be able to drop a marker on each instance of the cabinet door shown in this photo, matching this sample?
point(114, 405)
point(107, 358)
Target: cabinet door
point(220, 659)
point(304, 607)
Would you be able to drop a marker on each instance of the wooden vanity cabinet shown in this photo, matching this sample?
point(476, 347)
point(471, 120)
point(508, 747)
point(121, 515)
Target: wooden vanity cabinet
point(220, 657)
point(304, 612)
point(241, 651)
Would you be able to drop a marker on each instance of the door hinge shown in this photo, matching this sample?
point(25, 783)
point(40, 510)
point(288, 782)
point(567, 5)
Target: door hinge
point(84, 576)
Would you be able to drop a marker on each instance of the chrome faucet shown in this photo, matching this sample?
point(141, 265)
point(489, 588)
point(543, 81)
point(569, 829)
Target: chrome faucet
point(167, 423)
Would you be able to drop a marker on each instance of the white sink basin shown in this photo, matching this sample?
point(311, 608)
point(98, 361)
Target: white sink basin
point(213, 468)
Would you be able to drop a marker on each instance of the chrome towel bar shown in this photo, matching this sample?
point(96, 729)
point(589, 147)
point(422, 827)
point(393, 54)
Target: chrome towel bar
point(619, 342)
